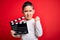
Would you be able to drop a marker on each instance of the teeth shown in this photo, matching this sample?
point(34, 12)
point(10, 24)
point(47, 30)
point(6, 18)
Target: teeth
point(24, 22)
point(15, 20)
point(12, 24)
point(11, 21)
point(23, 17)
point(16, 23)
point(20, 22)
point(19, 18)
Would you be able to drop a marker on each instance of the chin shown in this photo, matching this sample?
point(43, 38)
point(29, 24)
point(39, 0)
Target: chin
point(28, 18)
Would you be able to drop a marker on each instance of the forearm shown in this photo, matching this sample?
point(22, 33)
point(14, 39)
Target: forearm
point(39, 31)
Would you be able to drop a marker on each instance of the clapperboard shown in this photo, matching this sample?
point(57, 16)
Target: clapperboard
point(19, 25)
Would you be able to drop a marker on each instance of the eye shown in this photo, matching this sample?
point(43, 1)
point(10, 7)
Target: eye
point(30, 10)
point(25, 11)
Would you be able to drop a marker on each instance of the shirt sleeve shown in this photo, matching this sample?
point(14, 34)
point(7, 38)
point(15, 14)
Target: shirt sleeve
point(38, 29)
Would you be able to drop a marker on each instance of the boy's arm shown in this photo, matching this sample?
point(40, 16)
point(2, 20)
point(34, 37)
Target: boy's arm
point(38, 27)
point(13, 34)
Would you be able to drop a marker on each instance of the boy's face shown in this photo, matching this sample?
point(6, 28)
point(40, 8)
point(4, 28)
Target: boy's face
point(28, 12)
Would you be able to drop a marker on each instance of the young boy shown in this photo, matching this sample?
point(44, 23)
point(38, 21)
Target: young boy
point(33, 25)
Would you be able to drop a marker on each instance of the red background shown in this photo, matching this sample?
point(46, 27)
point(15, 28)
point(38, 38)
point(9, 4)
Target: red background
point(47, 10)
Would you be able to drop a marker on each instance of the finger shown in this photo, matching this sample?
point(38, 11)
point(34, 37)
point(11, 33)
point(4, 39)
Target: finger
point(37, 18)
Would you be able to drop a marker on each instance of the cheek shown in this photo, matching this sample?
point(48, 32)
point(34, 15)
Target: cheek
point(25, 13)
point(31, 13)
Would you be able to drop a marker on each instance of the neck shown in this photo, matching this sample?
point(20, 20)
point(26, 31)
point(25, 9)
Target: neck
point(28, 19)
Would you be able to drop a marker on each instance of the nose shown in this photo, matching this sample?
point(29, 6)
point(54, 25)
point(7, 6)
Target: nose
point(28, 12)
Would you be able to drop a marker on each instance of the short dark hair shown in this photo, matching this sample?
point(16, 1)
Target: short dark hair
point(27, 4)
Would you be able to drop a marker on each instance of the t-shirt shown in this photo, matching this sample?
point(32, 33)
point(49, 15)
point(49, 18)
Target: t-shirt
point(34, 30)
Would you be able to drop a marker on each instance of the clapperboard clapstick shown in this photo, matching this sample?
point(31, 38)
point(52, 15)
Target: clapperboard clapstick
point(19, 25)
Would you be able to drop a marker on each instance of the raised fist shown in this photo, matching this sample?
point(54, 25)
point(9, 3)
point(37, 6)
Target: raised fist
point(37, 18)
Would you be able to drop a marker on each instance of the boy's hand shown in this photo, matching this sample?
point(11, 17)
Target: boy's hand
point(13, 32)
point(37, 18)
